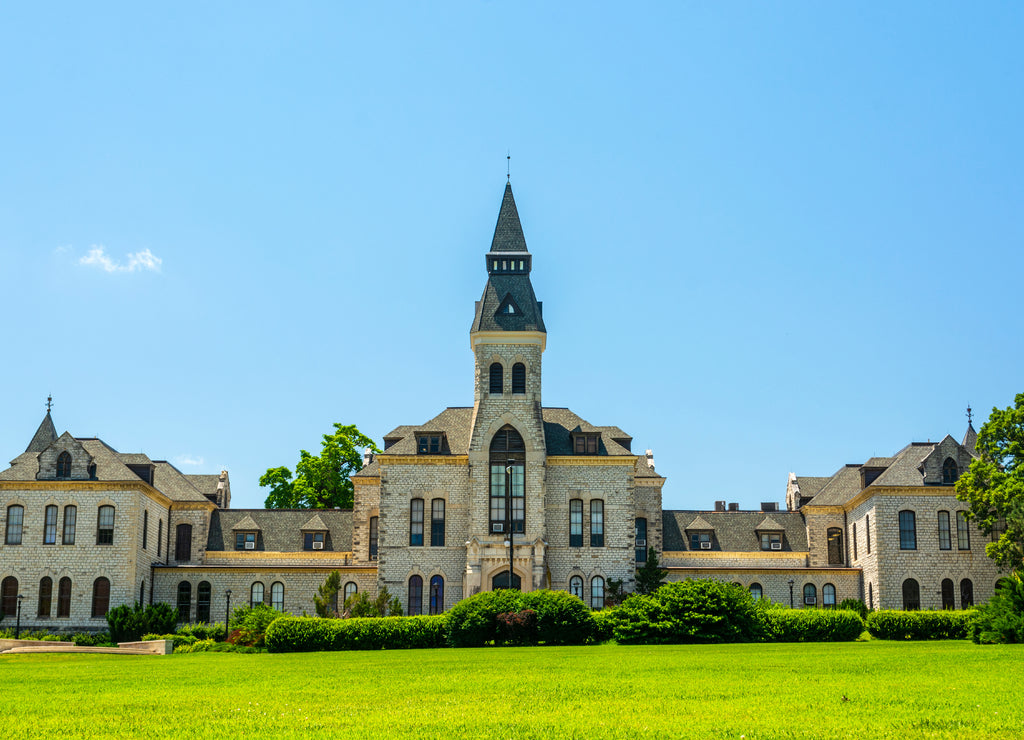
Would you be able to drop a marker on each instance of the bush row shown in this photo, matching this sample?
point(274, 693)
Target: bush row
point(310, 634)
point(811, 625)
point(558, 618)
point(919, 625)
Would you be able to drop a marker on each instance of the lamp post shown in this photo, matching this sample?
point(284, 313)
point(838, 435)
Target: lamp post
point(509, 520)
point(17, 628)
point(227, 613)
point(790, 593)
point(435, 608)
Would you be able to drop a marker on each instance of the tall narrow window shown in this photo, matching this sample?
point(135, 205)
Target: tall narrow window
point(867, 531)
point(45, 597)
point(105, 526)
point(142, 592)
point(835, 546)
point(911, 595)
point(351, 589)
point(597, 523)
point(519, 378)
point(64, 598)
point(145, 530)
point(944, 539)
point(947, 594)
point(64, 465)
point(508, 481)
point(576, 587)
point(183, 543)
point(159, 537)
point(756, 592)
point(597, 592)
point(50, 525)
point(640, 529)
point(828, 596)
point(497, 378)
point(277, 596)
point(576, 523)
point(810, 594)
point(15, 524)
point(966, 593)
point(950, 471)
point(437, 522)
point(203, 602)
point(100, 597)
point(416, 522)
point(255, 594)
point(908, 531)
point(184, 601)
point(70, 518)
point(871, 597)
point(854, 540)
point(9, 596)
point(374, 537)
point(415, 596)
point(963, 536)
point(436, 594)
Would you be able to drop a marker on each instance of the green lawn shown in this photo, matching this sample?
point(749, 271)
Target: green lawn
point(940, 689)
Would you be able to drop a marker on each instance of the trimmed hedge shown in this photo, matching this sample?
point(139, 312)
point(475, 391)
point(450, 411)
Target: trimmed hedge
point(312, 634)
point(919, 625)
point(562, 619)
point(811, 625)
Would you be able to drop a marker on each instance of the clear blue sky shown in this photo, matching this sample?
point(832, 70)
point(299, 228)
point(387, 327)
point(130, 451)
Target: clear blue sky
point(769, 237)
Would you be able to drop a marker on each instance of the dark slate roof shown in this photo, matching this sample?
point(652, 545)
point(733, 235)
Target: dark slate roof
point(172, 483)
point(809, 485)
point(841, 487)
point(560, 423)
point(280, 530)
point(970, 440)
point(45, 435)
point(528, 315)
point(905, 469)
point(734, 531)
point(508, 232)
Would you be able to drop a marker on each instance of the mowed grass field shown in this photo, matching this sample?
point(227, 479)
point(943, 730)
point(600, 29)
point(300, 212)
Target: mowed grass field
point(897, 690)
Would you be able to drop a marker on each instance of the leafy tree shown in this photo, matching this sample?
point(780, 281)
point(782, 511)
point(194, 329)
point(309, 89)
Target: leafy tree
point(650, 577)
point(994, 484)
point(614, 592)
point(326, 598)
point(320, 481)
point(385, 605)
point(1002, 618)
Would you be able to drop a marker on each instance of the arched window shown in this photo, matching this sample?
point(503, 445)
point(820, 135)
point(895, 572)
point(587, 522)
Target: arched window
point(908, 530)
point(50, 525)
point(15, 524)
point(184, 601)
point(519, 378)
point(255, 594)
point(64, 598)
point(437, 522)
point(415, 596)
point(950, 471)
point(45, 597)
point(497, 378)
point(810, 594)
point(9, 596)
point(835, 546)
point(966, 593)
point(597, 592)
point(145, 530)
point(945, 542)
point(576, 523)
point(203, 602)
point(277, 596)
point(374, 537)
point(576, 587)
point(756, 591)
point(64, 465)
point(351, 589)
point(947, 594)
point(640, 530)
point(105, 526)
point(436, 594)
point(500, 580)
point(70, 519)
point(508, 468)
point(183, 543)
point(911, 595)
point(828, 596)
point(100, 597)
point(416, 522)
point(596, 523)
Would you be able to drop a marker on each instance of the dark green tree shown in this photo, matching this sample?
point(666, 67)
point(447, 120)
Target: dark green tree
point(651, 575)
point(320, 481)
point(994, 484)
point(326, 597)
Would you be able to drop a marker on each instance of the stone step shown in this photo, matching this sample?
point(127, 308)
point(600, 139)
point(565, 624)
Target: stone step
point(76, 649)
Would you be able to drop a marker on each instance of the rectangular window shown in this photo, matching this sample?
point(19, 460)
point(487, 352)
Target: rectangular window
point(908, 531)
point(416, 522)
point(855, 541)
point(945, 543)
point(70, 517)
point(50, 528)
point(963, 536)
point(499, 521)
point(498, 498)
point(105, 526)
point(700, 540)
point(437, 522)
point(245, 540)
point(867, 531)
point(15, 524)
point(576, 523)
point(771, 540)
point(159, 537)
point(374, 537)
point(428, 445)
point(145, 531)
point(586, 444)
point(313, 540)
point(640, 530)
point(597, 523)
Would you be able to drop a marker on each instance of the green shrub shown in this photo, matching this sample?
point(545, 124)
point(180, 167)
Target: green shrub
point(384, 605)
point(811, 625)
point(129, 623)
point(855, 605)
point(249, 625)
point(311, 634)
point(211, 646)
point(178, 638)
point(518, 628)
point(473, 622)
point(88, 639)
point(692, 611)
point(919, 625)
point(562, 619)
point(1002, 618)
point(604, 622)
point(203, 631)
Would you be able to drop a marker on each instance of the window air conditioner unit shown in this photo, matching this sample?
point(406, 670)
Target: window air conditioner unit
point(776, 545)
point(810, 600)
point(318, 545)
point(641, 543)
point(497, 527)
point(250, 545)
point(705, 545)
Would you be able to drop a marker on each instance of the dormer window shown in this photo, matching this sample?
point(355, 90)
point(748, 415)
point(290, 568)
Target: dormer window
point(771, 540)
point(585, 444)
point(430, 444)
point(700, 540)
point(508, 309)
point(950, 472)
point(64, 465)
point(312, 540)
point(245, 540)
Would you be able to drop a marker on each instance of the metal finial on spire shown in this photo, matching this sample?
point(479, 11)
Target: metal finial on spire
point(508, 166)
point(49, 403)
point(970, 416)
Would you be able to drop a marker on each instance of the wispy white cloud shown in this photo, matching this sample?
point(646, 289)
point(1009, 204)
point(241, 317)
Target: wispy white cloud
point(188, 460)
point(144, 260)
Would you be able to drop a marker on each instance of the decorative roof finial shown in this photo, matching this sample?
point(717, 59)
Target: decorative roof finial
point(508, 166)
point(970, 416)
point(49, 403)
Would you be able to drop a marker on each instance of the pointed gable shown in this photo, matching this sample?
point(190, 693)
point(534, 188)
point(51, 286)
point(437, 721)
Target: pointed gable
point(315, 524)
point(699, 524)
point(769, 525)
point(45, 435)
point(247, 524)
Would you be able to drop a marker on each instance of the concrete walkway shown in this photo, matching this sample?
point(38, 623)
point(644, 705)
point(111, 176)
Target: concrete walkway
point(150, 647)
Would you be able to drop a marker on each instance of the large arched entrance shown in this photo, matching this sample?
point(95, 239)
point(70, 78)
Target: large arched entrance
point(501, 581)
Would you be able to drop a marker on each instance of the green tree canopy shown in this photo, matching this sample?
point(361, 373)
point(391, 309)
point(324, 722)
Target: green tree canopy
point(320, 481)
point(994, 484)
point(650, 576)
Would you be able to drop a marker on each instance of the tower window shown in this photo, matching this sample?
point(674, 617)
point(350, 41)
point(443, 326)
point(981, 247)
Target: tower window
point(497, 385)
point(508, 473)
point(64, 465)
point(519, 378)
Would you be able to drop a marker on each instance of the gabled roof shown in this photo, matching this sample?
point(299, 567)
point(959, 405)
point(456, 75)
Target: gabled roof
point(768, 525)
point(508, 231)
point(314, 524)
point(280, 530)
point(699, 523)
point(970, 440)
point(247, 524)
point(45, 435)
point(735, 531)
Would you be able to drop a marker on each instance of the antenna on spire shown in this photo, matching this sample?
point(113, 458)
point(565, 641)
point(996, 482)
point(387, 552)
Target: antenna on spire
point(508, 166)
point(49, 403)
point(970, 415)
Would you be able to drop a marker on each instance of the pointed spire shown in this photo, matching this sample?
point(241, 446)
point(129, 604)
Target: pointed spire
point(45, 435)
point(970, 440)
point(508, 232)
